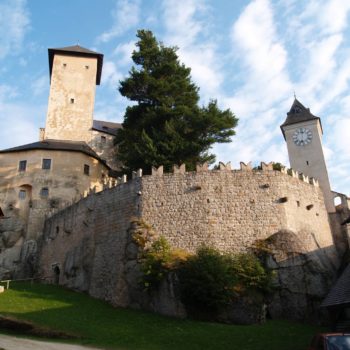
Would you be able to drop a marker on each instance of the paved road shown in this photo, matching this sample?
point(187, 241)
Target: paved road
point(13, 343)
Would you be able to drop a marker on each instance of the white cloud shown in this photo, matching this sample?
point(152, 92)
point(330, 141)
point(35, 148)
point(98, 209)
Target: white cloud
point(182, 20)
point(7, 92)
point(125, 16)
point(123, 52)
point(110, 74)
point(25, 128)
point(14, 22)
point(265, 89)
point(333, 17)
point(262, 54)
point(340, 137)
point(319, 35)
point(188, 27)
point(39, 85)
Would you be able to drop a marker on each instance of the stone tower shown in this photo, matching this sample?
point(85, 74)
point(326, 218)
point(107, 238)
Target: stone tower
point(303, 134)
point(74, 72)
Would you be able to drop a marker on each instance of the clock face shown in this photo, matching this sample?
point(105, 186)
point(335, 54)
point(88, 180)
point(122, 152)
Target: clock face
point(302, 136)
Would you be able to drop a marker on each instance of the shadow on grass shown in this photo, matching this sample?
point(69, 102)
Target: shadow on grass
point(99, 324)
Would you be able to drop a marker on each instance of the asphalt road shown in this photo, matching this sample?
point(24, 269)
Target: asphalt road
point(13, 343)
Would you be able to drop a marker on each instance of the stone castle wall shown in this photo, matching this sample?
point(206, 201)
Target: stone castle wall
point(231, 209)
point(105, 148)
point(87, 242)
point(90, 241)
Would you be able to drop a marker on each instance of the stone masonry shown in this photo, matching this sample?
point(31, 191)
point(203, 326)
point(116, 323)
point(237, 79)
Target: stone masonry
point(88, 244)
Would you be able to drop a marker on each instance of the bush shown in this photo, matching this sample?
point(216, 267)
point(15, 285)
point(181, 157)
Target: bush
point(206, 280)
point(210, 280)
point(158, 260)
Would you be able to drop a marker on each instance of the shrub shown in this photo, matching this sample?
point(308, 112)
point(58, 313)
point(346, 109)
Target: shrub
point(210, 280)
point(251, 276)
point(158, 260)
point(206, 280)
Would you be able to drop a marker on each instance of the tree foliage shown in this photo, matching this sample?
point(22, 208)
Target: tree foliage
point(166, 126)
point(210, 280)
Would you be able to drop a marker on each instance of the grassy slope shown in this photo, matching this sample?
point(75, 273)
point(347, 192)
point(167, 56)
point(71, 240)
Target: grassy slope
point(102, 325)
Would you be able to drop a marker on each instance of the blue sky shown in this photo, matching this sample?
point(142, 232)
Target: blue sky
point(249, 55)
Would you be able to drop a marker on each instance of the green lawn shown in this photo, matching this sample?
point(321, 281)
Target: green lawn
point(103, 326)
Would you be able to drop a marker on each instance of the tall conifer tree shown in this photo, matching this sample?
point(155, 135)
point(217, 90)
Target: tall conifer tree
point(166, 126)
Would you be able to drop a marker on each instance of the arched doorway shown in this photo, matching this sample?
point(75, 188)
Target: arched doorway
point(57, 272)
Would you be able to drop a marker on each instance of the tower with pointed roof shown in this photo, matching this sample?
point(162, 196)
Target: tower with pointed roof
point(74, 74)
point(303, 134)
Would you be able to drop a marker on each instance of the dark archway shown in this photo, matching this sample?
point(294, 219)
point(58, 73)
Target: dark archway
point(57, 272)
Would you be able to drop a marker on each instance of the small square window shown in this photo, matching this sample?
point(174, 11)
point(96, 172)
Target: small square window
point(86, 169)
point(103, 139)
point(22, 194)
point(72, 100)
point(46, 164)
point(86, 67)
point(22, 165)
point(44, 192)
point(64, 65)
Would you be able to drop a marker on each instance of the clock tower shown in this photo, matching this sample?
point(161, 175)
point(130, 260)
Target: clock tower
point(303, 134)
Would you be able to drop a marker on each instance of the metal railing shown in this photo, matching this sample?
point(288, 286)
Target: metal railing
point(7, 282)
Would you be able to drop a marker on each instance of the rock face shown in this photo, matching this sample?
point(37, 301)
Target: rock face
point(11, 239)
point(302, 279)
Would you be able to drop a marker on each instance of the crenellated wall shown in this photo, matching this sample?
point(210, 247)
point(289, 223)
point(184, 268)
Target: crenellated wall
point(89, 242)
point(230, 209)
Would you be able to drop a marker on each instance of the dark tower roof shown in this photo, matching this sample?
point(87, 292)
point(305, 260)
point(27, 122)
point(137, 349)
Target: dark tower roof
point(298, 113)
point(77, 50)
point(106, 127)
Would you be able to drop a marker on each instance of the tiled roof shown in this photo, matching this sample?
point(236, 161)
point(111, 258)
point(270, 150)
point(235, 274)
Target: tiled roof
point(107, 127)
point(77, 50)
point(340, 293)
point(57, 145)
point(298, 113)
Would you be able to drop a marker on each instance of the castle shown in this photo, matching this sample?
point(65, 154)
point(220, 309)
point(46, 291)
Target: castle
point(65, 214)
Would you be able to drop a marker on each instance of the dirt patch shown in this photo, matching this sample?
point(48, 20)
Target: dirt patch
point(25, 327)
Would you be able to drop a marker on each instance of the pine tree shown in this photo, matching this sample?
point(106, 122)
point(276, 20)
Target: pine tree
point(166, 126)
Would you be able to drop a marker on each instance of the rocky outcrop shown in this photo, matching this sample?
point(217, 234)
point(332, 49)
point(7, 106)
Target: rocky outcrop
point(11, 239)
point(302, 278)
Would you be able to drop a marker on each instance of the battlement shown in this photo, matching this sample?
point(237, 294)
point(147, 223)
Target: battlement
point(223, 167)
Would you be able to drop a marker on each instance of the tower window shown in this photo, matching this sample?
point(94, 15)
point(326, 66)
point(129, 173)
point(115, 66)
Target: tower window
point(103, 139)
point(44, 192)
point(307, 162)
point(86, 67)
point(46, 164)
point(86, 169)
point(22, 194)
point(64, 65)
point(22, 165)
point(72, 100)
